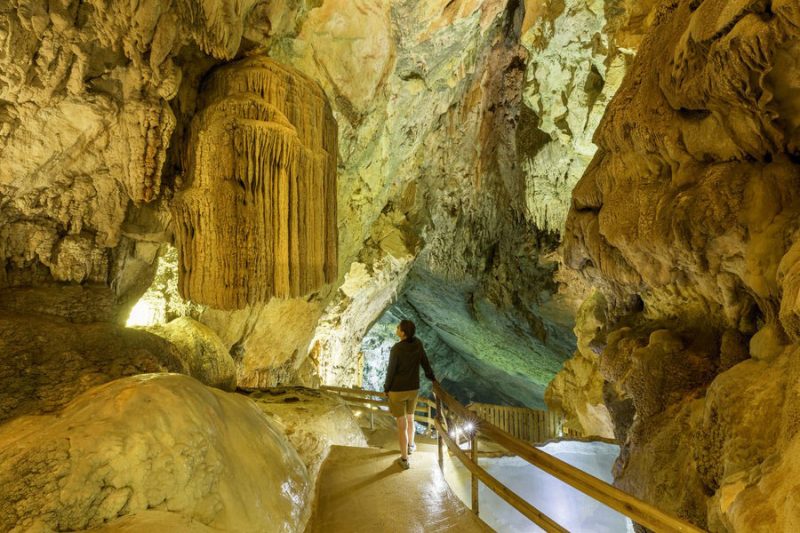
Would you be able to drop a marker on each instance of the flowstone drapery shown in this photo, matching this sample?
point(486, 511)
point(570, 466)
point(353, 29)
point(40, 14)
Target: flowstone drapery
point(257, 216)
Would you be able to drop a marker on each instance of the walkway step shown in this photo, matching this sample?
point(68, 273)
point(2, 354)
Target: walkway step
point(363, 490)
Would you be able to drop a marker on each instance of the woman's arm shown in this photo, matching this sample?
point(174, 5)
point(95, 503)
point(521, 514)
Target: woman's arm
point(426, 366)
point(390, 370)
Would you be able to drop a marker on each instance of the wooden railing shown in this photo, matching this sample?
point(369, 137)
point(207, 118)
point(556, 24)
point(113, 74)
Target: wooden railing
point(454, 420)
point(529, 425)
point(380, 401)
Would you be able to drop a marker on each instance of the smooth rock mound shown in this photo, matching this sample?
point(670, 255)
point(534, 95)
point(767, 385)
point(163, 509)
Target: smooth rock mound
point(202, 351)
point(151, 442)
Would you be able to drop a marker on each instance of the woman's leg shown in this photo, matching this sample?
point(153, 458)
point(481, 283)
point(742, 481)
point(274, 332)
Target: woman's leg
point(402, 436)
point(410, 429)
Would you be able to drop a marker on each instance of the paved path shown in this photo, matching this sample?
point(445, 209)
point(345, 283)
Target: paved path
point(363, 490)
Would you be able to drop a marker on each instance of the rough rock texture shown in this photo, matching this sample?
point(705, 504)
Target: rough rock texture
point(579, 51)
point(688, 219)
point(85, 128)
point(268, 341)
point(312, 421)
point(162, 302)
point(201, 350)
point(83, 304)
point(151, 442)
point(460, 123)
point(456, 198)
point(47, 361)
point(579, 390)
point(154, 521)
point(368, 289)
point(262, 156)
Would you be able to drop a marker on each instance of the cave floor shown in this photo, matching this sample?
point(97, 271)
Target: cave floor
point(365, 490)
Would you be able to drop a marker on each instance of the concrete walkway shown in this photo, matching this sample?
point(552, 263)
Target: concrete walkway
point(363, 490)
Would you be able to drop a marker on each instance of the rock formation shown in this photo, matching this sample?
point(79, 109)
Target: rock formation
point(202, 351)
point(462, 127)
point(47, 361)
point(151, 443)
point(579, 390)
point(257, 215)
point(687, 218)
point(313, 421)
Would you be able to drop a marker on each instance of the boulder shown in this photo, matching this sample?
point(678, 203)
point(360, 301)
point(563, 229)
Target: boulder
point(201, 350)
point(154, 442)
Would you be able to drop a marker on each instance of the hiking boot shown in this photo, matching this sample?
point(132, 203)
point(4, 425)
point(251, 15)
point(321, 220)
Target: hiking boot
point(412, 448)
point(404, 464)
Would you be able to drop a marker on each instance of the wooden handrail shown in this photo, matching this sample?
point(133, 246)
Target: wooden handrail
point(531, 512)
point(365, 397)
point(364, 392)
point(641, 512)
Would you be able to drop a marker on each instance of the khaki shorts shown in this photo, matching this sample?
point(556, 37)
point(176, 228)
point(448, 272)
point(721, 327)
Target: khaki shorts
point(403, 402)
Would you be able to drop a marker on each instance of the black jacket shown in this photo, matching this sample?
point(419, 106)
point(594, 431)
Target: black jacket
point(404, 361)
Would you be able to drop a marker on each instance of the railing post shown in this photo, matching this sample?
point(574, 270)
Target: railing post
point(371, 418)
point(474, 452)
point(439, 441)
point(429, 421)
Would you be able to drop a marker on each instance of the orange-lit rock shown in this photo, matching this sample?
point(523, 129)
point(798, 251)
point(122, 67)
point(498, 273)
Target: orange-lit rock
point(152, 442)
point(257, 215)
point(688, 219)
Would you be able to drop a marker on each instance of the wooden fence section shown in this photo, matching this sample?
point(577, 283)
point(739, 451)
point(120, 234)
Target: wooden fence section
point(450, 413)
point(529, 425)
point(379, 400)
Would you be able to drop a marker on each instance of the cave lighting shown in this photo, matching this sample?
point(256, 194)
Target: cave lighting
point(144, 313)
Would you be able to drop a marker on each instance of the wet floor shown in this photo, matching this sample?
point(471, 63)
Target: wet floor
point(365, 490)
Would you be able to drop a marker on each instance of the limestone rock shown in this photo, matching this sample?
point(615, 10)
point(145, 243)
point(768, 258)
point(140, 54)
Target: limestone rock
point(579, 52)
point(577, 391)
point(748, 445)
point(47, 361)
point(262, 156)
point(677, 140)
point(688, 219)
point(368, 289)
point(152, 442)
point(154, 521)
point(658, 464)
point(202, 352)
point(85, 125)
point(312, 421)
point(268, 342)
point(82, 304)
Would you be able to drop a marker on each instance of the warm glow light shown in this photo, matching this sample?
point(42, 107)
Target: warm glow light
point(469, 427)
point(142, 314)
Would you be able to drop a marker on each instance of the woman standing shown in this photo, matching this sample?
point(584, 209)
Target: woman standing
point(402, 384)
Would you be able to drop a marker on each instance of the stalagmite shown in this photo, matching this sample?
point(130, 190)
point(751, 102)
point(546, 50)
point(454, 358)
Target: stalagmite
point(257, 216)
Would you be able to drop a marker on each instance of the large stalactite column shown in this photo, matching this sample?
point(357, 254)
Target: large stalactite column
point(257, 215)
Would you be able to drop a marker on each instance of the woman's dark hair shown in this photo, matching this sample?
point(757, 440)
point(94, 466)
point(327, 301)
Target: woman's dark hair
point(408, 328)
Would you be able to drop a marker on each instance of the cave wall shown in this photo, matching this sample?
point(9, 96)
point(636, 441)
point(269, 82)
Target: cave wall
point(687, 219)
point(446, 116)
point(487, 197)
point(86, 130)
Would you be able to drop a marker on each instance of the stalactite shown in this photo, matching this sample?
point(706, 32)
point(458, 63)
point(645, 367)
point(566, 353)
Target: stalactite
point(257, 216)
